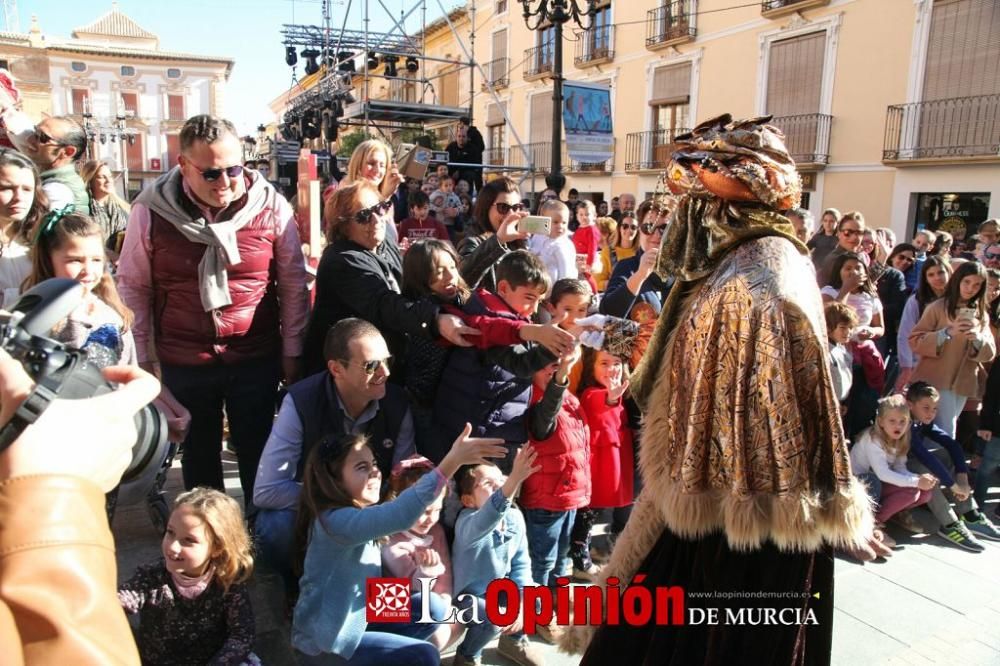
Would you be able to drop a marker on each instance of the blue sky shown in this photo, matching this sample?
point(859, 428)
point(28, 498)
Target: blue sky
point(248, 31)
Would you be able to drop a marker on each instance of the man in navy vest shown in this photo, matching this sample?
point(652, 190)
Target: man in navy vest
point(350, 396)
point(212, 267)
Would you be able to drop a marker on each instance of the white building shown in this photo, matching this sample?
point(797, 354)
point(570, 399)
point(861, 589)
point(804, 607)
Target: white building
point(113, 72)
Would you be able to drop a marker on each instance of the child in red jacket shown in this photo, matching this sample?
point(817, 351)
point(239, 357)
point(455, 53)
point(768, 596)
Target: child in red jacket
point(602, 386)
point(558, 432)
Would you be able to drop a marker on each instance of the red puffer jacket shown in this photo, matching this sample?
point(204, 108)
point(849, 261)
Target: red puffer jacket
point(563, 483)
point(248, 329)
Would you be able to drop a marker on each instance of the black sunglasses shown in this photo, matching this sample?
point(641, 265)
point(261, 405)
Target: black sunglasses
point(505, 208)
point(992, 255)
point(648, 228)
point(212, 175)
point(364, 216)
point(372, 366)
point(629, 226)
point(44, 139)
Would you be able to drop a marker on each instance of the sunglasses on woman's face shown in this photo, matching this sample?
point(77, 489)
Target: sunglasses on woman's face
point(649, 228)
point(506, 208)
point(364, 216)
point(629, 226)
point(992, 255)
point(212, 175)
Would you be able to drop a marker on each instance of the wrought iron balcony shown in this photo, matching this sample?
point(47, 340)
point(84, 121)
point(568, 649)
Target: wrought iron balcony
point(807, 137)
point(776, 8)
point(596, 46)
point(650, 150)
point(964, 128)
point(495, 156)
point(540, 153)
point(538, 62)
point(498, 72)
point(670, 24)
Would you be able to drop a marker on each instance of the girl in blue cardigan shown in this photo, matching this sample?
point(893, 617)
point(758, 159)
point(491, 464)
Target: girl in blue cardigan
point(342, 522)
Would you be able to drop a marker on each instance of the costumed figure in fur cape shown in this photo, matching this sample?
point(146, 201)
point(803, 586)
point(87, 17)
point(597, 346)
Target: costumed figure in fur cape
point(747, 481)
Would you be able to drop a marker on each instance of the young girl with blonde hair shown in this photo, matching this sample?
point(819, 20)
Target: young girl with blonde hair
point(193, 605)
point(878, 458)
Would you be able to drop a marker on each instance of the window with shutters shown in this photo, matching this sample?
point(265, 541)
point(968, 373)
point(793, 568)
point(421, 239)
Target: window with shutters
point(545, 55)
point(961, 87)
point(670, 109)
point(448, 88)
point(403, 89)
point(133, 153)
point(540, 130)
point(496, 133)
point(501, 6)
point(81, 100)
point(173, 150)
point(175, 107)
point(499, 64)
point(130, 103)
point(795, 69)
point(599, 36)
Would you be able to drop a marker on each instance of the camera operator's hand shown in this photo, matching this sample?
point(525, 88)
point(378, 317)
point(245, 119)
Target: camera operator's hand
point(90, 438)
point(177, 415)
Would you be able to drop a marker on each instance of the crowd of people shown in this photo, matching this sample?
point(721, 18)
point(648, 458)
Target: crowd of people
point(428, 411)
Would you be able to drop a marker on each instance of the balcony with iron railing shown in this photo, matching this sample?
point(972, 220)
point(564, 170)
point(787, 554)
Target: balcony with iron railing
point(777, 8)
point(540, 153)
point(670, 24)
point(538, 62)
point(650, 150)
point(595, 46)
point(495, 156)
point(807, 138)
point(963, 129)
point(498, 72)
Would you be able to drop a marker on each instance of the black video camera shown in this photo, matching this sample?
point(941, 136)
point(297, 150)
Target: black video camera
point(66, 373)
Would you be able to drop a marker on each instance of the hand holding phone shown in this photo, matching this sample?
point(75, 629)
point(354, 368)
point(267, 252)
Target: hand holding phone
point(535, 224)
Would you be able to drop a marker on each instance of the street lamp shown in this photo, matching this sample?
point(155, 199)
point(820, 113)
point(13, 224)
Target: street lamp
point(558, 12)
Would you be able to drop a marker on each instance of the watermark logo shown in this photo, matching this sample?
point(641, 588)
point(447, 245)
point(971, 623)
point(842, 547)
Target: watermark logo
point(388, 599)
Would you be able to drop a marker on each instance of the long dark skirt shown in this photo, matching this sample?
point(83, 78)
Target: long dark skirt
point(709, 566)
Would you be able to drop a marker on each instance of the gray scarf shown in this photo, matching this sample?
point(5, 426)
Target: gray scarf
point(168, 200)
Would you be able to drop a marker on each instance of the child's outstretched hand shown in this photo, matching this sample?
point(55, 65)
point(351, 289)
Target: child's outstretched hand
point(524, 466)
point(616, 389)
point(471, 451)
point(550, 336)
point(566, 363)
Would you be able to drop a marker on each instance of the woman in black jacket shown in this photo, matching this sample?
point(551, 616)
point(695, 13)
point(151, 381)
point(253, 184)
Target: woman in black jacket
point(492, 233)
point(360, 276)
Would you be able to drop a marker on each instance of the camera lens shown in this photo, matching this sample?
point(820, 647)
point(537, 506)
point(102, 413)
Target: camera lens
point(148, 453)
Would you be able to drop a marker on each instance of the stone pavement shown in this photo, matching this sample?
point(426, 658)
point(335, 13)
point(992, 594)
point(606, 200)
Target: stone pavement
point(930, 603)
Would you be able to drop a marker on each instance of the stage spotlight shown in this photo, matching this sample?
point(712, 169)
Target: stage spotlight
point(412, 65)
point(346, 59)
point(290, 56)
point(372, 60)
point(312, 66)
point(390, 65)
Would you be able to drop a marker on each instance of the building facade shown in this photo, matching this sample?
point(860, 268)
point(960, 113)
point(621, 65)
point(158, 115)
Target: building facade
point(890, 107)
point(113, 78)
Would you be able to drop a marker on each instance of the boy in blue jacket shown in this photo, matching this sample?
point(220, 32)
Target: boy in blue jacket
point(933, 451)
point(490, 543)
point(491, 388)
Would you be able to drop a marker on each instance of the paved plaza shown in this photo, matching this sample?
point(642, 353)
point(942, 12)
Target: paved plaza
point(931, 603)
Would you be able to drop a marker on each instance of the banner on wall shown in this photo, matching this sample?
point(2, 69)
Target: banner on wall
point(587, 122)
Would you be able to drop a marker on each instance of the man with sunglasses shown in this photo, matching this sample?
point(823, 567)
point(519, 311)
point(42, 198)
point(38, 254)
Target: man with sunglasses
point(55, 145)
point(351, 396)
point(212, 267)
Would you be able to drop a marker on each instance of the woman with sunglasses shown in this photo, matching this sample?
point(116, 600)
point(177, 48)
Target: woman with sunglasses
point(372, 161)
point(360, 275)
point(931, 285)
point(492, 233)
point(892, 291)
point(23, 204)
point(635, 291)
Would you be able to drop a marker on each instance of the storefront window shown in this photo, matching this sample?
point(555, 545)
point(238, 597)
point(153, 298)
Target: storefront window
point(958, 213)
